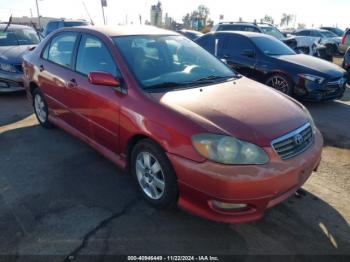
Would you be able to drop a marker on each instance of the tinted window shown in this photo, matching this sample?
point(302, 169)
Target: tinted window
point(93, 56)
point(25, 36)
point(233, 45)
point(328, 34)
point(272, 46)
point(74, 23)
point(61, 49)
point(303, 33)
point(272, 31)
point(207, 42)
point(315, 34)
point(178, 61)
point(238, 27)
point(51, 26)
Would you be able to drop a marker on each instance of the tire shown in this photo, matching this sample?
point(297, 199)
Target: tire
point(148, 174)
point(41, 109)
point(281, 83)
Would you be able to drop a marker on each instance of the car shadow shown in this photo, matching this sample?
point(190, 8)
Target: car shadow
point(56, 191)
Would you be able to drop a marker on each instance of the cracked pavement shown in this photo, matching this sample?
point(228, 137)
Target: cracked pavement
point(60, 197)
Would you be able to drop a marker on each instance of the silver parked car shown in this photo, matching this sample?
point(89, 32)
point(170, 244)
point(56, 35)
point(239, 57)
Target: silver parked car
point(15, 40)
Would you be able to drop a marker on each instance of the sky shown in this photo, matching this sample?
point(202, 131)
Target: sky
point(310, 12)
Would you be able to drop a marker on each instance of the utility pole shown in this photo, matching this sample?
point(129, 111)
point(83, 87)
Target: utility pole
point(103, 4)
point(37, 10)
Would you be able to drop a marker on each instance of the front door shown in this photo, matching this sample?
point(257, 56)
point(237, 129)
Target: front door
point(96, 108)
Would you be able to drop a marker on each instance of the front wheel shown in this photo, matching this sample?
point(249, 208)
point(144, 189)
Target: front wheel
point(154, 174)
point(280, 83)
point(41, 109)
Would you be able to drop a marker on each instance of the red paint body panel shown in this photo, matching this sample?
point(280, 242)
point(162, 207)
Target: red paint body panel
point(108, 119)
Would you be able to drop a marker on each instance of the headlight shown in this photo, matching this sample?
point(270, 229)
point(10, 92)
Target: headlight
point(228, 150)
point(7, 68)
point(316, 79)
point(310, 119)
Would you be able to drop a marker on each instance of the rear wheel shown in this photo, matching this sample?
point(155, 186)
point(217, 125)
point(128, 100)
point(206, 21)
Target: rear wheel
point(41, 109)
point(280, 83)
point(154, 174)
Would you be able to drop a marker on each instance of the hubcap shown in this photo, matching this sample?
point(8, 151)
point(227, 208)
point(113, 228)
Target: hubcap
point(39, 107)
point(279, 83)
point(150, 175)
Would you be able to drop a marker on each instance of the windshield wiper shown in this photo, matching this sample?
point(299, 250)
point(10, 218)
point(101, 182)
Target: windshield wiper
point(165, 85)
point(212, 78)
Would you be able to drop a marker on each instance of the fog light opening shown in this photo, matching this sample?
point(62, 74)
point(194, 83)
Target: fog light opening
point(223, 206)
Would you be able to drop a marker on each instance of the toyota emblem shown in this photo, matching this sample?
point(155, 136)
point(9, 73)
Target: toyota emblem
point(298, 139)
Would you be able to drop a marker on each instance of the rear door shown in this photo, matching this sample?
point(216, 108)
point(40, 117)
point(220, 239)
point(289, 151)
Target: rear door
point(95, 108)
point(56, 73)
point(234, 48)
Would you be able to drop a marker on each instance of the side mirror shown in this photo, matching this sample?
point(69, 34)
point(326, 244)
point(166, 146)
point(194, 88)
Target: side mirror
point(103, 79)
point(248, 53)
point(224, 60)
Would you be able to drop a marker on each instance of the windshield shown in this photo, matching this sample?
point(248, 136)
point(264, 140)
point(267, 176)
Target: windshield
point(272, 32)
point(159, 61)
point(19, 37)
point(271, 46)
point(328, 34)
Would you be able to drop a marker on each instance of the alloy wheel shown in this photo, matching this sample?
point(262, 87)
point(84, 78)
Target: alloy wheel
point(150, 175)
point(39, 107)
point(279, 83)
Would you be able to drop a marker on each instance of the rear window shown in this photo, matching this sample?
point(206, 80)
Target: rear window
point(238, 27)
point(76, 23)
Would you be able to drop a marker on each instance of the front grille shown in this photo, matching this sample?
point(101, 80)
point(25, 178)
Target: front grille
point(293, 143)
point(19, 68)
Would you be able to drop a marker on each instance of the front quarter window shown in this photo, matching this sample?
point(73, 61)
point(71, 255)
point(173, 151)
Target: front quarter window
point(169, 61)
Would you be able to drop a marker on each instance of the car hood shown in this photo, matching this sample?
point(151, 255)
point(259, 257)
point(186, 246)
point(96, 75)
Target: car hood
point(313, 63)
point(247, 110)
point(13, 54)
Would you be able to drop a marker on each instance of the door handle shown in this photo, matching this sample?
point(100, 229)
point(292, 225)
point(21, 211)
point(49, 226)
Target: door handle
point(41, 68)
point(72, 83)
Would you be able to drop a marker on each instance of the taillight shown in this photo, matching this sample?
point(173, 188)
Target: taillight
point(343, 39)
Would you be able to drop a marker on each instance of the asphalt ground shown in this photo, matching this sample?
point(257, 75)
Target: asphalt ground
point(60, 197)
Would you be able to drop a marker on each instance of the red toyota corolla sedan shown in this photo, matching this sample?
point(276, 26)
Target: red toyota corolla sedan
point(190, 130)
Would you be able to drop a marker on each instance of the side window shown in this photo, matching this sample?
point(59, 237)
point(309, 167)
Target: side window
point(207, 42)
point(304, 33)
point(45, 54)
point(315, 34)
point(61, 49)
point(52, 26)
point(233, 45)
point(93, 56)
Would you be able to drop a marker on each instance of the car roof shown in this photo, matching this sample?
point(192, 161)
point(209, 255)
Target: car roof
point(121, 30)
point(14, 26)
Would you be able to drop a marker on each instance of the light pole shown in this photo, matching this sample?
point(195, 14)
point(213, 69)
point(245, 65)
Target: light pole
point(37, 10)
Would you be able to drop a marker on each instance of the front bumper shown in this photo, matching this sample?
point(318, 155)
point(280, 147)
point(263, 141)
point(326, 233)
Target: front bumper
point(260, 187)
point(11, 82)
point(309, 91)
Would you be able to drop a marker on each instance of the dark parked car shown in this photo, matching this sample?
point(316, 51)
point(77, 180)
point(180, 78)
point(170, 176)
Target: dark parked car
point(56, 24)
point(190, 34)
point(335, 30)
point(263, 28)
point(270, 61)
point(191, 131)
point(345, 42)
point(14, 42)
point(346, 63)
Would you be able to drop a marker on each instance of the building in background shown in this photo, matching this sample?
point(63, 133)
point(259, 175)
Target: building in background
point(157, 15)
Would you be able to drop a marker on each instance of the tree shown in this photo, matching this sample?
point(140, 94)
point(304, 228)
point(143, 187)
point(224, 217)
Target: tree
point(198, 18)
point(301, 25)
point(187, 21)
point(267, 19)
point(286, 19)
